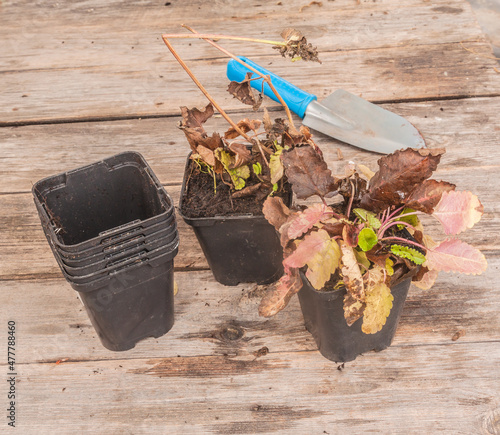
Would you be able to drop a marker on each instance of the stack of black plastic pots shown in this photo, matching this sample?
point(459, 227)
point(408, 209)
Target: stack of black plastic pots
point(111, 226)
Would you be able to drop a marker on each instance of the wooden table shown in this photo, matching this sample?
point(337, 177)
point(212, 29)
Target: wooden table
point(82, 81)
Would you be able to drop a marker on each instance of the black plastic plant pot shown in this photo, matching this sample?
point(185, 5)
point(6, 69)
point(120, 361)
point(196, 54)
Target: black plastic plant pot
point(324, 318)
point(142, 256)
point(117, 249)
point(132, 304)
point(160, 242)
point(100, 201)
point(242, 248)
point(239, 248)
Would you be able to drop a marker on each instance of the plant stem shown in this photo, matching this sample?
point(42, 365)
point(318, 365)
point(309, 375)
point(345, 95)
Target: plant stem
point(267, 79)
point(351, 199)
point(383, 229)
point(228, 37)
point(205, 92)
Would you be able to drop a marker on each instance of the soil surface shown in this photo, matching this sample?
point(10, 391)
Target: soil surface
point(200, 200)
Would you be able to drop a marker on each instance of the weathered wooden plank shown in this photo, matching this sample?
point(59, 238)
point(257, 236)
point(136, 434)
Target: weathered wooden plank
point(205, 309)
point(107, 32)
point(425, 389)
point(468, 128)
point(141, 89)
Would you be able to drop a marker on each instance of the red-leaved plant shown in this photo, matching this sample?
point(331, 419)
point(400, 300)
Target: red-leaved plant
point(373, 237)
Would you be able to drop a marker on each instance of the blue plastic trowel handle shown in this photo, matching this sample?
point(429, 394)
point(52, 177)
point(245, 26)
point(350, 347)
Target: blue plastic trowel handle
point(296, 99)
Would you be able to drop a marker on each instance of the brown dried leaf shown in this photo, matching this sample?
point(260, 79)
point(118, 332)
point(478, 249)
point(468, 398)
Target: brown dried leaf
point(242, 155)
point(195, 118)
point(427, 195)
point(248, 191)
point(307, 172)
point(245, 125)
point(206, 154)
point(275, 211)
point(244, 92)
point(268, 123)
point(353, 309)
point(398, 175)
point(279, 295)
point(351, 272)
point(296, 46)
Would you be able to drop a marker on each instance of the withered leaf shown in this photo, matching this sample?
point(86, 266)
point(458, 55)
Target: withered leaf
point(307, 172)
point(279, 295)
point(398, 175)
point(350, 234)
point(378, 307)
point(192, 126)
point(206, 154)
point(242, 155)
point(351, 272)
point(248, 191)
point(353, 309)
point(195, 118)
point(245, 125)
point(427, 195)
point(296, 46)
point(275, 211)
point(244, 92)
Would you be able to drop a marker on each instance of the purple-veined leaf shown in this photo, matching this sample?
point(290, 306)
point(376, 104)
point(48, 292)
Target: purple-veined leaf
point(320, 253)
point(306, 219)
point(453, 255)
point(458, 211)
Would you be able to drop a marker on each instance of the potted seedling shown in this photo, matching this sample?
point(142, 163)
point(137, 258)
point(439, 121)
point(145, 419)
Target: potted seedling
point(228, 176)
point(352, 255)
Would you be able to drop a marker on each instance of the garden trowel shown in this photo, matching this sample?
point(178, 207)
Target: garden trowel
point(341, 115)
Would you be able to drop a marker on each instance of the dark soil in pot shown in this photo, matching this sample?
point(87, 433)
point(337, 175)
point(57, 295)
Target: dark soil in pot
point(238, 242)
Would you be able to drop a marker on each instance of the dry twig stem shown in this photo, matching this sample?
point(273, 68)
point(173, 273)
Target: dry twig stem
point(267, 79)
point(205, 92)
point(197, 35)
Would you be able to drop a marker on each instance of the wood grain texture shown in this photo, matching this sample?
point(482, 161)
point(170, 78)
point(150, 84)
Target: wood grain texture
point(213, 319)
point(467, 128)
point(116, 66)
point(103, 65)
point(430, 389)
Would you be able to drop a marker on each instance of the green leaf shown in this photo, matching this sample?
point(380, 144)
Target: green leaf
point(367, 239)
point(369, 217)
point(408, 253)
point(257, 168)
point(238, 175)
point(412, 219)
point(362, 259)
